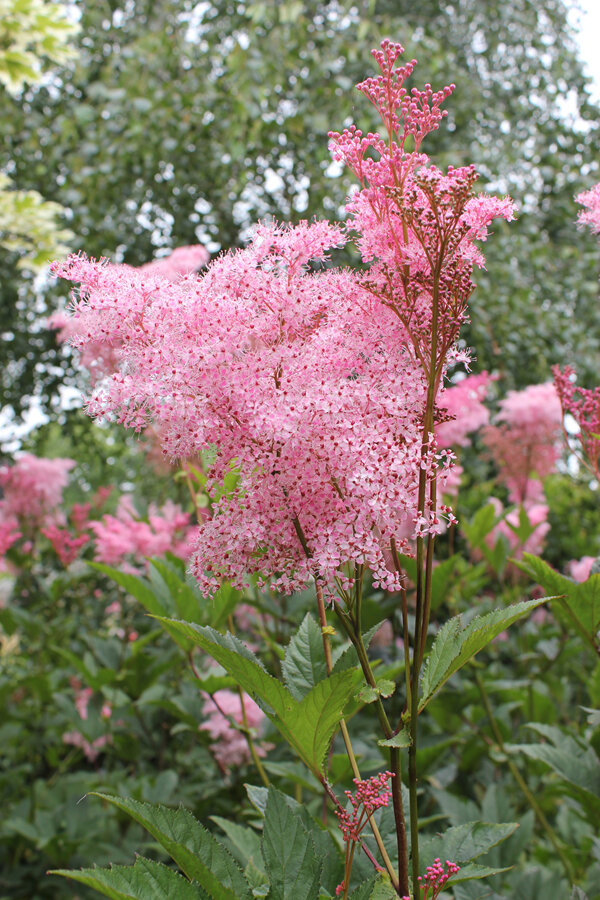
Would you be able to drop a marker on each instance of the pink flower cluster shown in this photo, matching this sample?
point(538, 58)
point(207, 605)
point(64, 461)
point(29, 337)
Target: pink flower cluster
point(369, 795)
point(125, 538)
point(591, 214)
point(310, 381)
point(66, 545)
point(584, 405)
point(100, 356)
point(435, 878)
point(525, 439)
point(536, 511)
point(31, 507)
point(463, 410)
point(224, 712)
point(32, 488)
point(416, 225)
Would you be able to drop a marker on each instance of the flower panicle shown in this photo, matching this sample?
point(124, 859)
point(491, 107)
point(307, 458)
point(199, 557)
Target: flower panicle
point(435, 878)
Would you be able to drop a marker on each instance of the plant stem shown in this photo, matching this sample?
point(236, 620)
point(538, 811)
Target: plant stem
point(522, 783)
point(251, 746)
point(346, 736)
point(395, 763)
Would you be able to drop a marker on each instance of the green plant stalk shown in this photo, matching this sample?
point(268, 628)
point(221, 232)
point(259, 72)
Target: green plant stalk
point(539, 814)
point(346, 735)
point(423, 585)
point(395, 763)
point(251, 746)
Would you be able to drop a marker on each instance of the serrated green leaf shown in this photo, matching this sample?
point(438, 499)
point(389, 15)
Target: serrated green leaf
point(364, 890)
point(455, 645)
point(463, 843)
point(135, 585)
point(399, 740)
point(570, 757)
point(383, 890)
point(473, 872)
point(195, 850)
point(307, 726)
point(187, 601)
point(146, 880)
point(367, 694)
point(304, 662)
point(291, 861)
point(346, 657)
point(579, 601)
point(244, 839)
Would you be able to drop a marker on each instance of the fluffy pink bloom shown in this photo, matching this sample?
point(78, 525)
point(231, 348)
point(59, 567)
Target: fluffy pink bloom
point(125, 536)
point(462, 406)
point(9, 533)
point(101, 356)
point(181, 261)
point(79, 515)
point(591, 214)
point(581, 569)
point(525, 439)
point(229, 746)
point(584, 405)
point(65, 545)
point(33, 488)
point(537, 515)
point(310, 381)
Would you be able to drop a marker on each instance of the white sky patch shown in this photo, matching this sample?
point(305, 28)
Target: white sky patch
point(587, 25)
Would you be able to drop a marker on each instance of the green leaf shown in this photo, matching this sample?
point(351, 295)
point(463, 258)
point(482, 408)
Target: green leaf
point(292, 864)
point(463, 843)
point(245, 840)
point(473, 872)
point(384, 687)
point(198, 854)
point(401, 739)
point(146, 880)
point(579, 602)
point(187, 601)
point(364, 890)
point(257, 797)
point(304, 662)
point(570, 757)
point(383, 890)
point(307, 726)
point(136, 586)
point(480, 525)
point(454, 645)
point(440, 578)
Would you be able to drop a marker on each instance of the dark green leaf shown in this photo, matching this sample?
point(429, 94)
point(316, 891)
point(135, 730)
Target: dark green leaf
point(193, 848)
point(304, 662)
point(292, 864)
point(455, 645)
point(146, 880)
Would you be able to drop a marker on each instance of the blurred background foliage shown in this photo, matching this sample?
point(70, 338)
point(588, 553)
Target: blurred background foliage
point(177, 122)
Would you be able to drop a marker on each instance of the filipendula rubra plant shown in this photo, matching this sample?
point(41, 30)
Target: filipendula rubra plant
point(319, 388)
